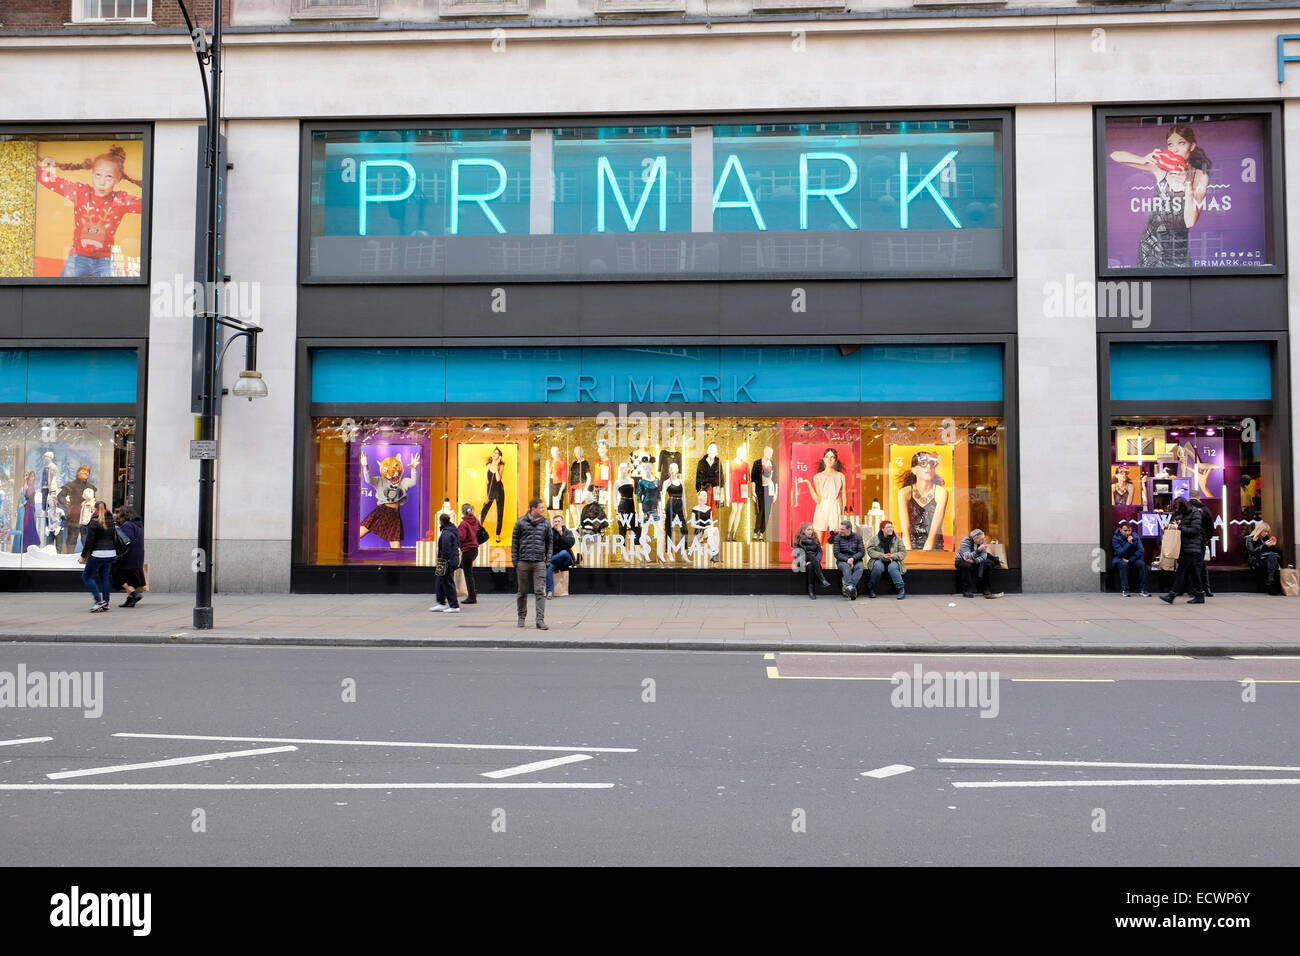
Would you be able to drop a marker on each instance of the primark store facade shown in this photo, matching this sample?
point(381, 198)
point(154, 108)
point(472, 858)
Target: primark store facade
point(692, 283)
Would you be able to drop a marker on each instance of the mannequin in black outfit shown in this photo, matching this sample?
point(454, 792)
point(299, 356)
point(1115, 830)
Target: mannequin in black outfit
point(674, 510)
point(762, 494)
point(627, 520)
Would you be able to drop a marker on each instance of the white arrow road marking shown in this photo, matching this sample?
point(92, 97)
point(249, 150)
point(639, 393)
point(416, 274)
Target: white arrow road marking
point(1260, 782)
point(1111, 763)
point(536, 765)
point(380, 743)
point(61, 787)
point(892, 770)
point(24, 740)
point(172, 762)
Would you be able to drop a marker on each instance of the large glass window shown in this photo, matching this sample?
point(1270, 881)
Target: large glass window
point(1226, 464)
point(655, 490)
point(71, 205)
point(52, 472)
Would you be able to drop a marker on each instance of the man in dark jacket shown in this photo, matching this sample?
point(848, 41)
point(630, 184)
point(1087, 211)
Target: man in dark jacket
point(531, 545)
point(563, 557)
point(849, 551)
point(887, 554)
point(1191, 555)
point(1126, 557)
point(976, 565)
point(448, 560)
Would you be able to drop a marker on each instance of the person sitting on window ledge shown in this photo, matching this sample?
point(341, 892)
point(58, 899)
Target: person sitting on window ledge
point(1126, 559)
point(976, 565)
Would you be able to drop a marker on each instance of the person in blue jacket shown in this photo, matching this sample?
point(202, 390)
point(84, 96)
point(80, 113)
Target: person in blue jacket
point(1126, 557)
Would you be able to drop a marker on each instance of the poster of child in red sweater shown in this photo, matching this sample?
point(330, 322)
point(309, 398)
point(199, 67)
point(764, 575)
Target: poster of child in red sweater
point(88, 211)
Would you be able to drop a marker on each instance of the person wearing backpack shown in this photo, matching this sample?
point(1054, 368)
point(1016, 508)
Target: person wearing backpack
point(128, 571)
point(98, 553)
point(447, 562)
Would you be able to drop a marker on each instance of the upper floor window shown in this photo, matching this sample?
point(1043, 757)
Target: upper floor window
point(328, 9)
point(91, 11)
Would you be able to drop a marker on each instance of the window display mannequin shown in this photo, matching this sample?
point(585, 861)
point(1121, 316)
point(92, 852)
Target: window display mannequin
point(87, 509)
point(737, 492)
point(922, 503)
point(50, 520)
point(71, 497)
point(496, 490)
point(49, 473)
point(593, 519)
point(830, 491)
point(667, 458)
point(557, 478)
point(391, 489)
point(875, 516)
point(647, 489)
point(602, 473)
point(701, 515)
point(675, 508)
point(626, 488)
point(710, 476)
point(762, 486)
point(579, 478)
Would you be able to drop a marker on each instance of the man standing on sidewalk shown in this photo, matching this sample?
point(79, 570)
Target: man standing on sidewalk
point(530, 551)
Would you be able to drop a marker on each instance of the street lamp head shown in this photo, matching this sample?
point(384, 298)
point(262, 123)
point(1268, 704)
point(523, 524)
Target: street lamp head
point(250, 385)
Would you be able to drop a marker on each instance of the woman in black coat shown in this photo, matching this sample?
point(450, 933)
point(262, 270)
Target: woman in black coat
point(98, 554)
point(128, 572)
point(809, 542)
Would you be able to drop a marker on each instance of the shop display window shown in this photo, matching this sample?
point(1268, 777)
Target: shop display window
point(52, 472)
point(654, 490)
point(1225, 464)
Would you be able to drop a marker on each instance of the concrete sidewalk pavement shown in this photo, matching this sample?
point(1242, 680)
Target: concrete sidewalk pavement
point(1031, 623)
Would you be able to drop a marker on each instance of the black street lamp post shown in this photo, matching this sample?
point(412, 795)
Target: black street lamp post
point(250, 385)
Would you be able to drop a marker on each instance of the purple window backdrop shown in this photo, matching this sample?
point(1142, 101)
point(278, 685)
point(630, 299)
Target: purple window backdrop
point(1231, 229)
point(362, 501)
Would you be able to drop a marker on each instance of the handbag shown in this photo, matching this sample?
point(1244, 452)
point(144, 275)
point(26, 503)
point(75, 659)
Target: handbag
point(481, 535)
point(440, 567)
point(1289, 578)
point(1171, 545)
point(121, 541)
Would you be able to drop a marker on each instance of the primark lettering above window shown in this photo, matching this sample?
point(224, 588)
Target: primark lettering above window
point(827, 200)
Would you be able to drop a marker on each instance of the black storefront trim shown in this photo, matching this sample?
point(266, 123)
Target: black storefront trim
point(405, 579)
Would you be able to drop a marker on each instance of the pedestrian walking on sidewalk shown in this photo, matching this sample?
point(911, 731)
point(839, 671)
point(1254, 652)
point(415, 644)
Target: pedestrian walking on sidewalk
point(1191, 554)
point(470, 534)
point(531, 546)
point(98, 553)
point(447, 562)
point(128, 570)
point(809, 542)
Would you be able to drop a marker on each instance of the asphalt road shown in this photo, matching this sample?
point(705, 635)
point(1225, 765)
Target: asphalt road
point(740, 758)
